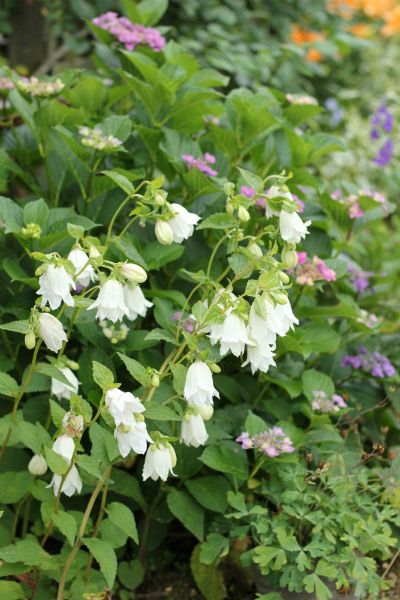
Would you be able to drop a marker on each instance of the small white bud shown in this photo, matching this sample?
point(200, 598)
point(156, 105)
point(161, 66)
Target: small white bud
point(206, 411)
point(37, 465)
point(30, 339)
point(289, 258)
point(255, 250)
point(133, 273)
point(164, 233)
point(243, 214)
point(93, 252)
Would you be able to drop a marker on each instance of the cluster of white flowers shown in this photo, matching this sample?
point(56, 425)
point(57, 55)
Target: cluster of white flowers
point(95, 138)
point(130, 427)
point(70, 483)
point(178, 227)
point(41, 88)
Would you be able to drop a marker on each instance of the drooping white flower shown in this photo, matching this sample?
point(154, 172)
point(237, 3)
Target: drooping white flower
point(55, 287)
point(260, 357)
point(199, 387)
point(231, 335)
point(130, 427)
point(284, 317)
point(110, 302)
point(135, 302)
point(65, 447)
point(52, 332)
point(133, 273)
point(83, 269)
point(260, 329)
point(193, 432)
point(182, 223)
point(274, 192)
point(37, 466)
point(64, 391)
point(164, 233)
point(159, 462)
point(292, 228)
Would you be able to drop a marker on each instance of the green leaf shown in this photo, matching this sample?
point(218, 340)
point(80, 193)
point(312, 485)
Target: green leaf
point(11, 590)
point(57, 413)
point(158, 334)
point(138, 371)
point(121, 181)
point(57, 464)
point(121, 516)
point(16, 326)
point(313, 583)
point(218, 221)
point(187, 511)
point(210, 491)
point(179, 377)
point(159, 412)
point(30, 553)
point(102, 376)
point(226, 457)
point(208, 578)
point(214, 547)
point(66, 524)
point(156, 255)
point(36, 211)
point(32, 436)
point(14, 486)
point(254, 424)
point(11, 215)
point(316, 381)
point(104, 554)
point(8, 385)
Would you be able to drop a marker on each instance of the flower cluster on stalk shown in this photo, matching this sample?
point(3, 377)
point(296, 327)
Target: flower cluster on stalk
point(128, 33)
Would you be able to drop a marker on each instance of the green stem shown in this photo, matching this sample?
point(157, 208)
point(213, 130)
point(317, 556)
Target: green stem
point(214, 252)
point(146, 526)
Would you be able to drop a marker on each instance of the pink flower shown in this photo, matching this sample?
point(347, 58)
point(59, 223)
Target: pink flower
point(247, 191)
point(301, 258)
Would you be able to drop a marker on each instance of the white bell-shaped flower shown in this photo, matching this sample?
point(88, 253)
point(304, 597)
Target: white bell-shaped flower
point(122, 404)
point(110, 302)
point(159, 462)
point(182, 223)
point(199, 387)
point(37, 466)
point(260, 357)
point(84, 272)
point(52, 332)
point(65, 447)
point(282, 317)
point(135, 302)
point(292, 228)
point(193, 431)
point(231, 335)
point(55, 287)
point(64, 391)
point(130, 427)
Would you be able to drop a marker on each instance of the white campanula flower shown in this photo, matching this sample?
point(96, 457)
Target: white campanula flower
point(159, 462)
point(231, 335)
point(65, 447)
point(37, 465)
point(193, 432)
point(292, 228)
point(273, 192)
point(135, 302)
point(260, 357)
point(84, 271)
point(199, 387)
point(130, 427)
point(110, 302)
point(64, 391)
point(164, 233)
point(52, 332)
point(284, 318)
point(182, 223)
point(133, 273)
point(55, 287)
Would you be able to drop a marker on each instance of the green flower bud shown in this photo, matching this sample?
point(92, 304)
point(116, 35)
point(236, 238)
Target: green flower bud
point(255, 250)
point(243, 214)
point(164, 233)
point(289, 258)
point(155, 380)
point(30, 339)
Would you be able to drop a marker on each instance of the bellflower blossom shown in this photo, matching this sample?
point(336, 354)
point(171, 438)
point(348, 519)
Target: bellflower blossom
point(51, 331)
point(231, 335)
point(193, 431)
point(128, 33)
point(110, 302)
point(130, 427)
point(55, 287)
point(182, 223)
point(159, 462)
point(374, 363)
point(271, 442)
point(65, 447)
point(385, 154)
point(199, 387)
point(84, 272)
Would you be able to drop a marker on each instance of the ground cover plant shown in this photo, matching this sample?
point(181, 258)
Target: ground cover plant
point(199, 325)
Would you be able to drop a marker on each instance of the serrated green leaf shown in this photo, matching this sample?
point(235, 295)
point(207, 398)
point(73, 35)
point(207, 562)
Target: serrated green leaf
point(102, 375)
point(104, 554)
point(8, 385)
point(187, 511)
point(138, 371)
point(121, 516)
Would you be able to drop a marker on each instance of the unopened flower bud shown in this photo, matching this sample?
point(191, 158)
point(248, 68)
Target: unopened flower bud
point(243, 214)
point(215, 368)
point(133, 272)
point(164, 233)
point(37, 465)
point(229, 208)
point(289, 258)
point(155, 380)
point(206, 411)
point(159, 199)
point(284, 277)
point(93, 252)
point(255, 250)
point(73, 424)
point(280, 298)
point(30, 339)
point(172, 454)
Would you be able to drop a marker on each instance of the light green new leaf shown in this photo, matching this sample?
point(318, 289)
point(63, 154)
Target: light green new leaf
point(102, 375)
point(66, 524)
point(29, 552)
point(138, 371)
point(121, 516)
point(104, 554)
point(8, 385)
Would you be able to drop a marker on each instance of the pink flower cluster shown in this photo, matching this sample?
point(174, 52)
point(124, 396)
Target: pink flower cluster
point(271, 442)
point(186, 324)
point(322, 403)
point(6, 84)
point(128, 33)
point(353, 201)
point(202, 165)
point(308, 271)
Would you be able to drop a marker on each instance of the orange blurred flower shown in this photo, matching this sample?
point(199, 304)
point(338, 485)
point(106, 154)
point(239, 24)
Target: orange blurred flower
point(392, 22)
point(361, 30)
point(379, 8)
point(305, 36)
point(313, 55)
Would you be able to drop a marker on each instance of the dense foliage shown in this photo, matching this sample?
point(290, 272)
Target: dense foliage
point(199, 312)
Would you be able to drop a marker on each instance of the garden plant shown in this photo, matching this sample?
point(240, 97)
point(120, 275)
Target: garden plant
point(199, 306)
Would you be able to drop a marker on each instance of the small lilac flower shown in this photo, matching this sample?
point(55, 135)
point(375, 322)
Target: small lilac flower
point(128, 33)
point(260, 202)
point(336, 194)
point(299, 202)
point(245, 440)
point(323, 404)
point(201, 165)
point(247, 191)
point(385, 154)
point(360, 279)
point(271, 442)
point(374, 363)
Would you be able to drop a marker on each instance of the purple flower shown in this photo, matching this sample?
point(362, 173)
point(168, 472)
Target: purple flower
point(247, 191)
point(385, 154)
point(271, 442)
point(360, 279)
point(321, 403)
point(128, 33)
point(201, 165)
point(374, 363)
point(245, 440)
